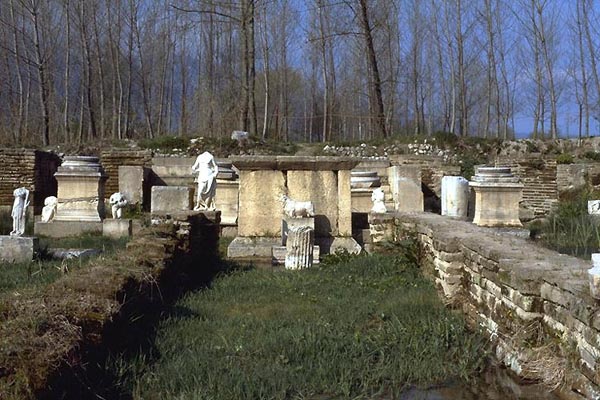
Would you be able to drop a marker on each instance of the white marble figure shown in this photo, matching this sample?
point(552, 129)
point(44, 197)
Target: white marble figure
point(378, 198)
point(117, 203)
point(207, 170)
point(297, 209)
point(49, 209)
point(19, 211)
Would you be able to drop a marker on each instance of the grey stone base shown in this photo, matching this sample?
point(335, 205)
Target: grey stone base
point(335, 244)
point(262, 247)
point(116, 228)
point(279, 253)
point(59, 229)
point(252, 247)
point(18, 249)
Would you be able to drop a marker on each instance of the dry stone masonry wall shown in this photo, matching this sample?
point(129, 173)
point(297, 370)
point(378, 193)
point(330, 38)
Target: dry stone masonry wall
point(534, 303)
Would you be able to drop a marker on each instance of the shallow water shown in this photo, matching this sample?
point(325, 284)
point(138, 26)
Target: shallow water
point(495, 384)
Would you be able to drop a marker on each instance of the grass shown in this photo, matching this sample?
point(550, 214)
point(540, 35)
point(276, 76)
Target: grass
point(358, 328)
point(569, 229)
point(37, 273)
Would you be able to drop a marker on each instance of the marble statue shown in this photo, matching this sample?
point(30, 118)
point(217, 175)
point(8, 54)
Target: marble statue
point(207, 170)
point(117, 203)
point(378, 198)
point(19, 211)
point(49, 209)
point(297, 209)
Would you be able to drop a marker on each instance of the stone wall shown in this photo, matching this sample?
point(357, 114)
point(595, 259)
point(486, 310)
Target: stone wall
point(532, 302)
point(539, 177)
point(31, 169)
point(577, 176)
point(112, 159)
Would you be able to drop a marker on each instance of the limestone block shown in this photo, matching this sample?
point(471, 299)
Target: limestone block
point(288, 223)
point(18, 249)
point(381, 227)
point(173, 171)
point(260, 206)
point(405, 185)
point(59, 229)
point(320, 187)
point(226, 200)
point(344, 196)
point(455, 196)
point(131, 183)
point(299, 247)
point(170, 199)
point(252, 247)
point(117, 228)
point(497, 197)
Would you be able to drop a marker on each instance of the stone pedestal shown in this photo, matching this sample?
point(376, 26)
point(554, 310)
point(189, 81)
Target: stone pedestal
point(361, 200)
point(117, 228)
point(170, 199)
point(381, 227)
point(455, 196)
point(226, 200)
point(405, 185)
point(497, 196)
point(80, 190)
point(299, 247)
point(325, 181)
point(18, 249)
point(288, 223)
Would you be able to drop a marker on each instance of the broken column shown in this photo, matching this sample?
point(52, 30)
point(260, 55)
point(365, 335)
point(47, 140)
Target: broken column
point(299, 247)
point(497, 196)
point(455, 196)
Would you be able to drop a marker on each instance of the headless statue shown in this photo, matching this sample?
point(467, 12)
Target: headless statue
point(207, 170)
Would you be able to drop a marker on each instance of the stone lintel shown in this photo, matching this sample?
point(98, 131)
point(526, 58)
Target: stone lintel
point(291, 163)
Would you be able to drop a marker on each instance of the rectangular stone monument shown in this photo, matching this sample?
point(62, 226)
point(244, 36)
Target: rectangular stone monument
point(117, 228)
point(405, 185)
point(324, 181)
point(131, 183)
point(170, 199)
point(17, 249)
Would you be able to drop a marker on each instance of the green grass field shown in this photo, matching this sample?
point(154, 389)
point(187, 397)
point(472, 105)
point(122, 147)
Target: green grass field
point(361, 328)
point(37, 273)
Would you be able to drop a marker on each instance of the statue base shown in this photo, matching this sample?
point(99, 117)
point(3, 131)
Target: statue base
point(116, 228)
point(59, 229)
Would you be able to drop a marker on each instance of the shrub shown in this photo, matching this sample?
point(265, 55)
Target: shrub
point(565, 158)
point(592, 155)
point(165, 143)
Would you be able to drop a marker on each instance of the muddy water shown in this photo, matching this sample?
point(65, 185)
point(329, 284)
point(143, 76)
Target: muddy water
point(495, 384)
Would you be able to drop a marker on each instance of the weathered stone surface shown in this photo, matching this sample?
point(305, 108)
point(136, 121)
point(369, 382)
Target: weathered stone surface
point(18, 249)
point(405, 185)
point(252, 247)
point(117, 228)
point(131, 183)
point(170, 199)
point(81, 181)
point(226, 200)
point(59, 229)
point(299, 247)
point(455, 196)
point(497, 197)
point(288, 223)
point(279, 252)
point(260, 206)
point(69, 254)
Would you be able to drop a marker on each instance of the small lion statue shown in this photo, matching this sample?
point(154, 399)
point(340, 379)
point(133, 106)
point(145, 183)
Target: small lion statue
point(297, 209)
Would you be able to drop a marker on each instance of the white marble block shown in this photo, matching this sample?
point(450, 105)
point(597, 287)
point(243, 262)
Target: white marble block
point(455, 196)
point(299, 248)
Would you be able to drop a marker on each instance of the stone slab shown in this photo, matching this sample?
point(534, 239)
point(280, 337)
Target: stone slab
point(18, 249)
point(252, 247)
point(131, 183)
point(59, 229)
point(336, 244)
point(294, 163)
point(117, 228)
point(170, 199)
point(260, 205)
point(361, 200)
point(227, 200)
point(279, 253)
